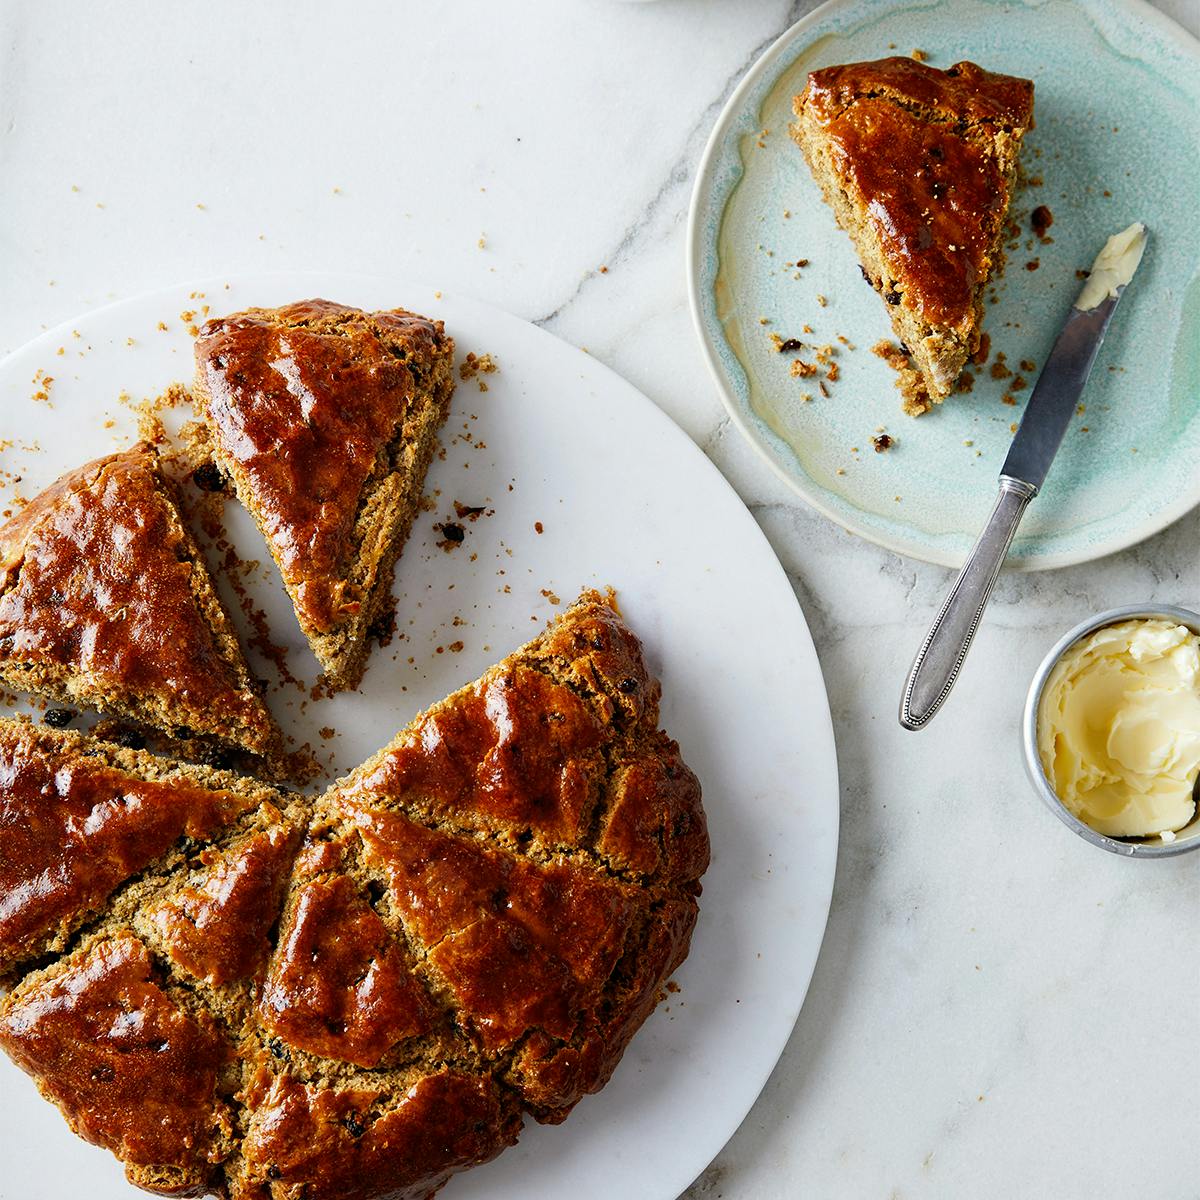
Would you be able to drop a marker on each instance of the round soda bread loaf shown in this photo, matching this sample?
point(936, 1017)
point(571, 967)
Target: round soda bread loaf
point(244, 992)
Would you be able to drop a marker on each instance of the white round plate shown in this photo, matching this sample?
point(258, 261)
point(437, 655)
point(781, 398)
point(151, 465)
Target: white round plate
point(1117, 105)
point(590, 486)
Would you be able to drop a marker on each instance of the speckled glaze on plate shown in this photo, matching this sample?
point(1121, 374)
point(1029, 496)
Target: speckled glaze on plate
point(1117, 140)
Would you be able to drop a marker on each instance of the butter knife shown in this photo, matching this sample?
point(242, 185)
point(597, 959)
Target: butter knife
point(1033, 448)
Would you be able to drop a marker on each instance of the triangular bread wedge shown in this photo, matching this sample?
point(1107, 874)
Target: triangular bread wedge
point(919, 167)
point(81, 819)
point(105, 602)
point(158, 884)
point(326, 417)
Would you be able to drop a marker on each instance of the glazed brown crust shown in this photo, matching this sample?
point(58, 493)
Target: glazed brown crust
point(962, 95)
point(216, 927)
point(518, 943)
point(919, 164)
point(325, 417)
point(105, 601)
point(539, 844)
point(478, 922)
point(75, 825)
point(517, 750)
point(533, 748)
point(340, 984)
point(130, 1069)
point(337, 1143)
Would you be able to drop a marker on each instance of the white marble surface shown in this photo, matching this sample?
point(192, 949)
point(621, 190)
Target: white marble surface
point(999, 1010)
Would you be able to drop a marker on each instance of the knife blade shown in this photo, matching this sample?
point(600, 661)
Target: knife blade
point(1051, 406)
point(1057, 391)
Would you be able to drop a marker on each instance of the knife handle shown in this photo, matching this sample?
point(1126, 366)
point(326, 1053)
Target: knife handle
point(941, 655)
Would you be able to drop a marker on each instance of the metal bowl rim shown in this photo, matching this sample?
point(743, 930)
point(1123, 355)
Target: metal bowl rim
point(1033, 762)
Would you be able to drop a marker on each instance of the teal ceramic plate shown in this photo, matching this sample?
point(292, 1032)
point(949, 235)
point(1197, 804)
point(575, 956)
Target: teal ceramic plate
point(1117, 140)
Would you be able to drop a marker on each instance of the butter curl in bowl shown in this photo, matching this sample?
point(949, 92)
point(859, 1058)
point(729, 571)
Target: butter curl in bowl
point(1112, 730)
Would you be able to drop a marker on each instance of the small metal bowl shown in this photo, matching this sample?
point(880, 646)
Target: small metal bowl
point(1187, 838)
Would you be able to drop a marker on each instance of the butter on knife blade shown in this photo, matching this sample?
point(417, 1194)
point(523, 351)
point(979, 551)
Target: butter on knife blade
point(1114, 266)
